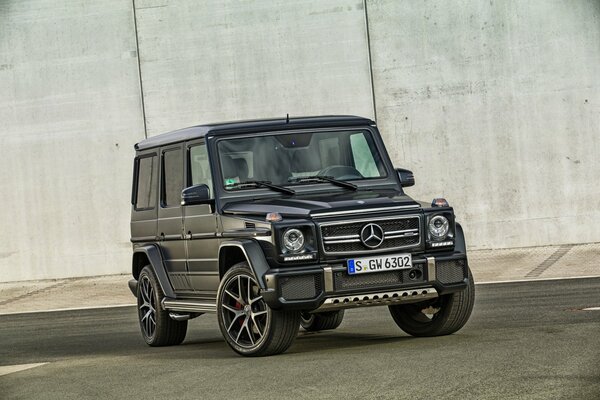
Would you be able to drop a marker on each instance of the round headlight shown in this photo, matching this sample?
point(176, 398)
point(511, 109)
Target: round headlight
point(293, 239)
point(439, 227)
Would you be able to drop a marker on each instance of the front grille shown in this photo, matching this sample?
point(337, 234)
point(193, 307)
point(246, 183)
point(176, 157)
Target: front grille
point(450, 271)
point(300, 287)
point(399, 233)
point(343, 281)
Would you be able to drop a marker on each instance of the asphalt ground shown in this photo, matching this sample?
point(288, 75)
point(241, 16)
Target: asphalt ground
point(525, 340)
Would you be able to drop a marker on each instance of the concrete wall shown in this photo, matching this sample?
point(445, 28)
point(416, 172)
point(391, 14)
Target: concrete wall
point(494, 105)
point(219, 60)
point(70, 113)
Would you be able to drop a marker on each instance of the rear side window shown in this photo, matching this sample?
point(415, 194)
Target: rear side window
point(172, 181)
point(146, 183)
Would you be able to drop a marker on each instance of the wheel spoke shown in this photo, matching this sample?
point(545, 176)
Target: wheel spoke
point(229, 308)
point(237, 339)
point(233, 296)
point(247, 325)
point(147, 315)
point(249, 300)
point(260, 333)
point(234, 320)
point(240, 291)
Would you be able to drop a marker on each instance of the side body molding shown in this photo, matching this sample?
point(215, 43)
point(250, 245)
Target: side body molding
point(156, 261)
point(253, 254)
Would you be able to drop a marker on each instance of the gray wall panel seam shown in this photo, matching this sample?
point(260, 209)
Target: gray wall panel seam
point(370, 60)
point(139, 64)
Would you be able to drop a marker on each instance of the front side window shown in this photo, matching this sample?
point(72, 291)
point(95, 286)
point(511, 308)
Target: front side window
point(172, 181)
point(200, 167)
point(284, 158)
point(146, 183)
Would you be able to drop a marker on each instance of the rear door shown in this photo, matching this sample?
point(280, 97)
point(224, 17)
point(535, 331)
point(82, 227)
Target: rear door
point(170, 217)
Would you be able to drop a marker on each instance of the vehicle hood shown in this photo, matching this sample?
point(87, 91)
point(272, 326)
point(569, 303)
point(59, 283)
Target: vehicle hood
point(308, 206)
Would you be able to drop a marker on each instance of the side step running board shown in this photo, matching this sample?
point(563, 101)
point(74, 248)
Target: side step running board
point(190, 306)
point(378, 299)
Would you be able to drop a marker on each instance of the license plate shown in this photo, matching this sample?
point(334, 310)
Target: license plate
point(379, 264)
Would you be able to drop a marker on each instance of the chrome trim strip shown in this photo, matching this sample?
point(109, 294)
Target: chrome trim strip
point(431, 269)
point(402, 231)
point(357, 236)
point(363, 211)
point(335, 241)
point(328, 275)
point(188, 306)
point(378, 299)
point(408, 234)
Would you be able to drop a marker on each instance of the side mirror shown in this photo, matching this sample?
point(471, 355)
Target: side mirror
point(197, 194)
point(406, 177)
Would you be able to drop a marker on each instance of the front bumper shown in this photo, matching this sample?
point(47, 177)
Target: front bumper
point(329, 286)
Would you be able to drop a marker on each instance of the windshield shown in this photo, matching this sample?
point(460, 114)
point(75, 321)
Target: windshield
point(284, 159)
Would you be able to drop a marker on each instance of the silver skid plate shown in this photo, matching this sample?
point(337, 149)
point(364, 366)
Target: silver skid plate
point(378, 299)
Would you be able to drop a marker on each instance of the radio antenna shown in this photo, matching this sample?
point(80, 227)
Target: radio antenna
point(287, 119)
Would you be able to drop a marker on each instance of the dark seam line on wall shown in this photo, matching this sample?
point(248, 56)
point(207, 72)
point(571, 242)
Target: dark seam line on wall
point(370, 60)
point(550, 261)
point(139, 64)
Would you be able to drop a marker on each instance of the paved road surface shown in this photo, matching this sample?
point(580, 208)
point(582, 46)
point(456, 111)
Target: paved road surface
point(524, 341)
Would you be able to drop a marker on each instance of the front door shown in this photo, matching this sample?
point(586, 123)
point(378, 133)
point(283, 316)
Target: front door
point(200, 227)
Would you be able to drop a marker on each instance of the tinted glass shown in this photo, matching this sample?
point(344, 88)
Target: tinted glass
point(364, 161)
point(172, 177)
point(344, 155)
point(200, 167)
point(146, 183)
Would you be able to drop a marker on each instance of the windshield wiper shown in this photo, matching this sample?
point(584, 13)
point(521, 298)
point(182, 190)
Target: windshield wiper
point(322, 178)
point(262, 184)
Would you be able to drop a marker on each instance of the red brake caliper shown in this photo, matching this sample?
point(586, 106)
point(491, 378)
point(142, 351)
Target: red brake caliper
point(238, 306)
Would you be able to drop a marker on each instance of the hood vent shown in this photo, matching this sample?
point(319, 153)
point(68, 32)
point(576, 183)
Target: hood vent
point(250, 225)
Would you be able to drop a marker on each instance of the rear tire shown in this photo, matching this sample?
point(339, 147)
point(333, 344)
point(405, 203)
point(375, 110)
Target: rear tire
point(250, 327)
point(158, 329)
point(443, 316)
point(321, 321)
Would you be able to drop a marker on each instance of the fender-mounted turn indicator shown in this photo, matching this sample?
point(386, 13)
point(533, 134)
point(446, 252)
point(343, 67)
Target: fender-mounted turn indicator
point(440, 202)
point(273, 217)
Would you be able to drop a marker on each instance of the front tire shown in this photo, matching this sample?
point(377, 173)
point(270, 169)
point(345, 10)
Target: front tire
point(321, 321)
point(250, 327)
point(158, 329)
point(443, 316)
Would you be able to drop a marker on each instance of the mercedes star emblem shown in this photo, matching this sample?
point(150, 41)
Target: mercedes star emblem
point(371, 235)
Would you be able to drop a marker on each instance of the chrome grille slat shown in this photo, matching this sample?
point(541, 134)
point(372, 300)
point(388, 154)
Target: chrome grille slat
point(343, 237)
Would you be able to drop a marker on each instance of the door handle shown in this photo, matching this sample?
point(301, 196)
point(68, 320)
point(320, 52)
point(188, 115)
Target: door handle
point(161, 236)
point(187, 236)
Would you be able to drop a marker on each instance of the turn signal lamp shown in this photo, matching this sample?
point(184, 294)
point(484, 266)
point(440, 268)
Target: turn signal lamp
point(441, 202)
point(273, 217)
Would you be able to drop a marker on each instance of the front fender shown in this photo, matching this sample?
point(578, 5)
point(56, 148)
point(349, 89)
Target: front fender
point(254, 256)
point(460, 245)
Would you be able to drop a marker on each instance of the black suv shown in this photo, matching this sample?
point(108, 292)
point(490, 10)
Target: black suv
point(278, 223)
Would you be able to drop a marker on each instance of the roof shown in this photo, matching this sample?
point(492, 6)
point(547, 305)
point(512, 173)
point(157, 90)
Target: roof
point(258, 125)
